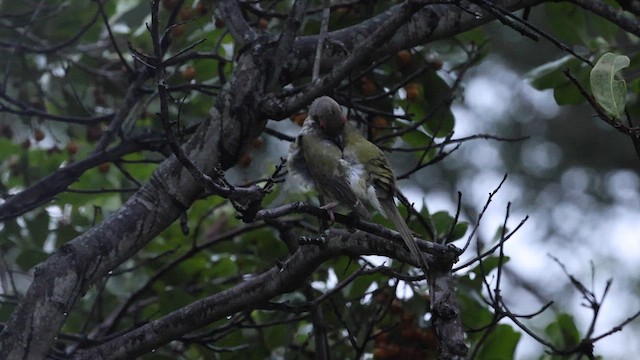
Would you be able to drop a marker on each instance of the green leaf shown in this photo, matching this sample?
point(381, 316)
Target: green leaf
point(435, 92)
point(567, 94)
point(276, 335)
point(443, 221)
point(609, 92)
point(474, 313)
point(459, 230)
point(563, 333)
point(172, 299)
point(549, 75)
point(222, 268)
point(39, 229)
point(500, 344)
point(417, 139)
point(6, 310)
point(567, 22)
point(30, 258)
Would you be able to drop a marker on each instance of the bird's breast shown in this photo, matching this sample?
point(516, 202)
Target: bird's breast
point(358, 179)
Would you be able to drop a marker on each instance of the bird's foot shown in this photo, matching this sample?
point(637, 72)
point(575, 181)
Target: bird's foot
point(332, 218)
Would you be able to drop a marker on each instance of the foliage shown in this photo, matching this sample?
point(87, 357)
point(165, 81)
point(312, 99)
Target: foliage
point(80, 91)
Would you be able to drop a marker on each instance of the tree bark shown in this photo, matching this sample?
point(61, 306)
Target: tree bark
point(219, 141)
point(281, 278)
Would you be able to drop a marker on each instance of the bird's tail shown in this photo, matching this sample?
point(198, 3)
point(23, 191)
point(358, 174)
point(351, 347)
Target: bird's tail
point(392, 213)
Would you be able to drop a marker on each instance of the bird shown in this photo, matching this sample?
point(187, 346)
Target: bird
point(314, 157)
point(332, 155)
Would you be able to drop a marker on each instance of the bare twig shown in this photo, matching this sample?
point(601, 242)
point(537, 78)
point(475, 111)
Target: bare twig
point(286, 40)
point(324, 27)
point(112, 38)
point(484, 209)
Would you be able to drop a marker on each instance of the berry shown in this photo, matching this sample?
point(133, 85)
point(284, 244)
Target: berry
point(201, 8)
point(380, 122)
point(94, 132)
point(177, 30)
point(169, 4)
point(405, 60)
point(186, 14)
point(72, 148)
point(298, 118)
point(263, 23)
point(104, 167)
point(189, 73)
point(413, 92)
point(38, 135)
point(368, 86)
point(98, 96)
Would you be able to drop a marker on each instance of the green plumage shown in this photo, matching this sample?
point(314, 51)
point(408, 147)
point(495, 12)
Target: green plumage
point(316, 157)
point(333, 156)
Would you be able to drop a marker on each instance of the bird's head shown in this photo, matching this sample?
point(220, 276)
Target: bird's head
point(327, 113)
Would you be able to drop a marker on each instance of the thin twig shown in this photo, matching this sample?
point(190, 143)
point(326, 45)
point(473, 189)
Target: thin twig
point(324, 27)
point(105, 19)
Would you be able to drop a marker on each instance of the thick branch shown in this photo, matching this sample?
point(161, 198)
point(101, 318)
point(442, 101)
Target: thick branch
point(616, 16)
point(281, 278)
point(220, 140)
point(67, 274)
point(447, 253)
point(363, 51)
point(238, 27)
point(431, 23)
point(446, 314)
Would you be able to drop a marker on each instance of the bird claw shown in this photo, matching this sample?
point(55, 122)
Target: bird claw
point(332, 218)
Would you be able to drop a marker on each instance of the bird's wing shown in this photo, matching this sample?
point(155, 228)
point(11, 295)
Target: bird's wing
point(339, 189)
point(295, 162)
point(373, 160)
point(322, 158)
point(381, 175)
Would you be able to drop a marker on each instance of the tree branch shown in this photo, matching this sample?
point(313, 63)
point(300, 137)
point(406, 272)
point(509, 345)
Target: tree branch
point(610, 13)
point(68, 273)
point(431, 23)
point(286, 40)
point(381, 34)
point(242, 33)
point(48, 187)
point(281, 278)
